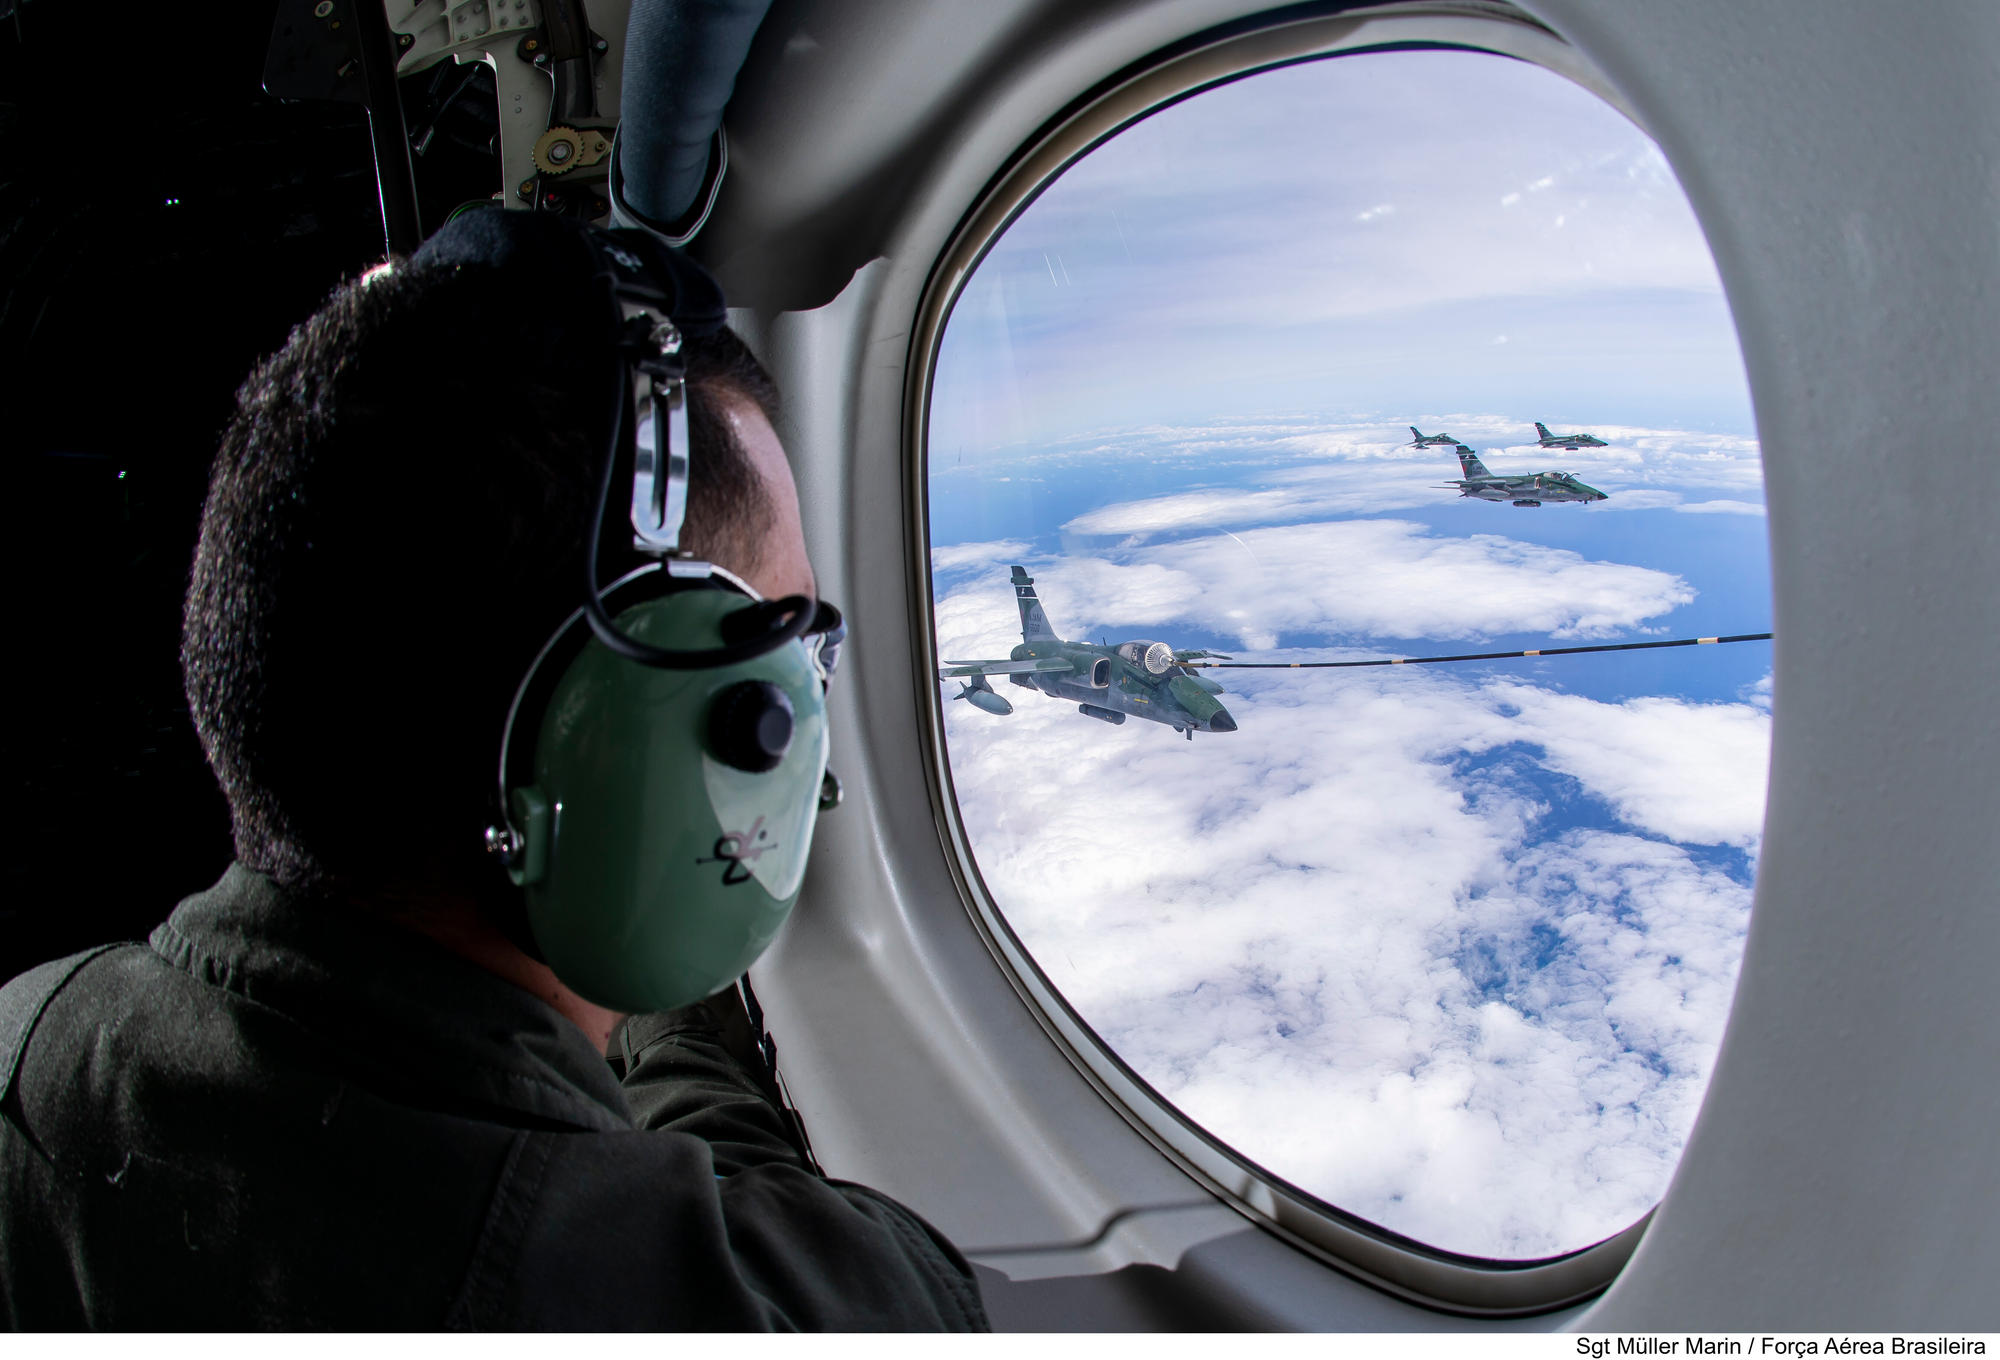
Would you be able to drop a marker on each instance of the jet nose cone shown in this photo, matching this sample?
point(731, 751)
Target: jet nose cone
point(1222, 722)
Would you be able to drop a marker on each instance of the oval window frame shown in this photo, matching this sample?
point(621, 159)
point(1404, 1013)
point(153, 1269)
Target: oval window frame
point(1402, 1266)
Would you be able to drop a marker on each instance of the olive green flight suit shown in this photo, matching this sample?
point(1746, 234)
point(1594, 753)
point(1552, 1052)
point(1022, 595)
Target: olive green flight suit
point(284, 1114)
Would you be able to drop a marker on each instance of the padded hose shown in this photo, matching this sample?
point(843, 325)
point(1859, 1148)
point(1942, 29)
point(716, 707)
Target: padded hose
point(681, 60)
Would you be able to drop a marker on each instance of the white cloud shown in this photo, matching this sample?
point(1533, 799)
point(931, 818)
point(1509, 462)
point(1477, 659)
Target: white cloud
point(1379, 578)
point(1391, 578)
point(1690, 772)
point(1198, 510)
point(1354, 941)
point(1312, 470)
point(960, 556)
point(1759, 694)
point(1639, 500)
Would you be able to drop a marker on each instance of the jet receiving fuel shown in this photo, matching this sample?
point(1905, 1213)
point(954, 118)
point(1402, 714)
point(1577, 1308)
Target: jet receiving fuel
point(1423, 439)
point(1142, 678)
point(1527, 489)
point(1572, 442)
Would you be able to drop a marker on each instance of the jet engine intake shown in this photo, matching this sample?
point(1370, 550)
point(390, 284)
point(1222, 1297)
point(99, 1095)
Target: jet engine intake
point(1109, 715)
point(1099, 674)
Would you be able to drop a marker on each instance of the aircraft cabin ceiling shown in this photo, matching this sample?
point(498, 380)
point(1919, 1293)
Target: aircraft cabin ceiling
point(1844, 163)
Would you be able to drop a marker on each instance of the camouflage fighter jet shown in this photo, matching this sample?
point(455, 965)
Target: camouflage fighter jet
point(1422, 439)
point(1526, 489)
point(1572, 442)
point(1142, 678)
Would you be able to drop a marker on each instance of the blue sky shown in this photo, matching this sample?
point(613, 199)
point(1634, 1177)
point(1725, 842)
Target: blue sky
point(1449, 948)
point(1390, 233)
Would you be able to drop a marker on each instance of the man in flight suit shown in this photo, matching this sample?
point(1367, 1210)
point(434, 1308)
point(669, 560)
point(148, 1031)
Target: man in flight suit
point(335, 1090)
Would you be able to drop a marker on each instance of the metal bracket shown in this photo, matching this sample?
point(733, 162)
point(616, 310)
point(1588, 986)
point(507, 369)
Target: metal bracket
point(660, 436)
point(485, 31)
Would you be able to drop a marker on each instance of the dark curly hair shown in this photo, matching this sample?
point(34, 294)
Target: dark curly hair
point(395, 522)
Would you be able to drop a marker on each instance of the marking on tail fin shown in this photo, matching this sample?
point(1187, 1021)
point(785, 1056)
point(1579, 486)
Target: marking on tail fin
point(1469, 463)
point(1034, 622)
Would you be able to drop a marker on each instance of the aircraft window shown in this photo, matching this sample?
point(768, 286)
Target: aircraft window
point(1448, 947)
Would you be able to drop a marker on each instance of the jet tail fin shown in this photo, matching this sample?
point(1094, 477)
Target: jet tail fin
point(1469, 462)
point(1542, 430)
point(1034, 623)
point(1418, 433)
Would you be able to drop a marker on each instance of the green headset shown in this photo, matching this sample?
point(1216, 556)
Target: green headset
point(663, 762)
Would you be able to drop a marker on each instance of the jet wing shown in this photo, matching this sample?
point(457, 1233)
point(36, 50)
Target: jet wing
point(1041, 664)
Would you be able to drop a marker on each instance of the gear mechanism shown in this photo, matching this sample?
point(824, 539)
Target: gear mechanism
point(563, 149)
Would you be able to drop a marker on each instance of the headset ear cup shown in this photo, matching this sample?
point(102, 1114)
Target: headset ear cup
point(662, 867)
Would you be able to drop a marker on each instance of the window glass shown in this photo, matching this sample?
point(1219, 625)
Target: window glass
point(1447, 946)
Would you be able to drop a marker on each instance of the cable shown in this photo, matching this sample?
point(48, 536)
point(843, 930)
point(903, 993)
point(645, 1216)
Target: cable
point(1471, 656)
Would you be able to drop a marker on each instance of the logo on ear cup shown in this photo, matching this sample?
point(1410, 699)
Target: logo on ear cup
point(736, 849)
